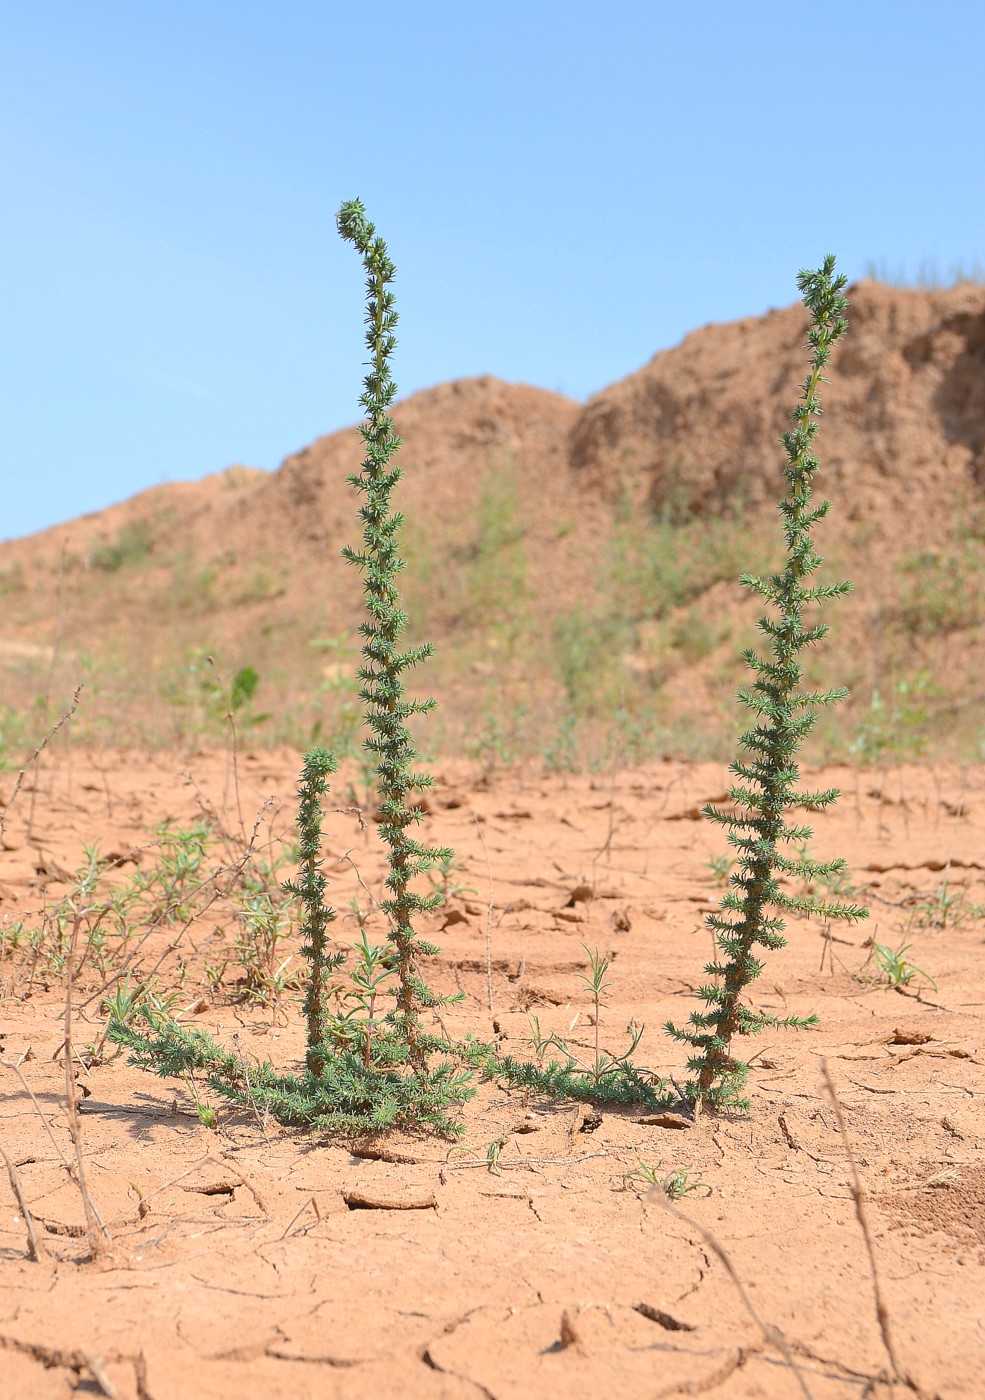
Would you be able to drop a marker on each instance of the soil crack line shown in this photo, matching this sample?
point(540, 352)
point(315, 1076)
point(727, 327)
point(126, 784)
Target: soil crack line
point(430, 1362)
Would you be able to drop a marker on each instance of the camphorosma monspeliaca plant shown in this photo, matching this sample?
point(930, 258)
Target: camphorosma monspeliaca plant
point(387, 708)
point(376, 1073)
point(757, 826)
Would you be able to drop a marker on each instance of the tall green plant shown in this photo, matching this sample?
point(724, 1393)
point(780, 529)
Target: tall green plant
point(384, 662)
point(768, 772)
point(361, 1071)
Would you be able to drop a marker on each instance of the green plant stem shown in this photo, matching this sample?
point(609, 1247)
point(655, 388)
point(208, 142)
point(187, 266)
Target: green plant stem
point(309, 888)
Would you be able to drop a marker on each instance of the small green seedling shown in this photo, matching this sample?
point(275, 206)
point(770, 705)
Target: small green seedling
point(720, 867)
point(948, 907)
point(595, 981)
point(896, 966)
point(678, 1184)
point(444, 880)
point(362, 916)
point(207, 1115)
point(675, 1185)
point(493, 1153)
point(541, 1043)
point(368, 976)
point(266, 972)
point(123, 1004)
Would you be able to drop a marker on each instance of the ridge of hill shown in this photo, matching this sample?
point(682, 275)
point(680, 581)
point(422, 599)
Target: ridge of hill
point(574, 564)
point(697, 427)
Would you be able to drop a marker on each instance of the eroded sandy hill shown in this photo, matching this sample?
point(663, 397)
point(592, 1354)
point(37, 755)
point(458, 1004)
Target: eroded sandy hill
point(696, 428)
point(515, 489)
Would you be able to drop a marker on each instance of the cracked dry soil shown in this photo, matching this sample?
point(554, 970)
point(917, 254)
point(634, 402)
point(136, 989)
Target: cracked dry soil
point(261, 1262)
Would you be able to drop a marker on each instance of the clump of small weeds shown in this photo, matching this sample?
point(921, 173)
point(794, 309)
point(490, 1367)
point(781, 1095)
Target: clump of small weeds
point(445, 878)
point(948, 907)
point(368, 986)
point(132, 545)
point(176, 876)
point(897, 726)
point(199, 700)
point(496, 741)
point(496, 565)
point(605, 1078)
point(943, 592)
point(262, 952)
point(124, 1002)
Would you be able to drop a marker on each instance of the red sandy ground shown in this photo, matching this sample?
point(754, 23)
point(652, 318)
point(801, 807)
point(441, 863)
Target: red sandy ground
point(556, 1275)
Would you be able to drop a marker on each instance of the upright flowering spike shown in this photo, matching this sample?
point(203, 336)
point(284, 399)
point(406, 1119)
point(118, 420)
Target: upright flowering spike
point(768, 773)
point(384, 663)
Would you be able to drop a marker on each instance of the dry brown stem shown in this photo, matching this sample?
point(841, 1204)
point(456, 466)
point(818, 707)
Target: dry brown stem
point(35, 1249)
point(234, 741)
point(858, 1197)
point(95, 1229)
point(247, 1181)
point(34, 758)
point(15, 1065)
point(489, 916)
point(772, 1336)
point(310, 1202)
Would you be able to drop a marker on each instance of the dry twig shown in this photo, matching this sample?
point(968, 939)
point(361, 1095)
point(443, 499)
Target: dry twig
point(858, 1196)
point(489, 915)
point(297, 1216)
point(95, 1229)
point(35, 1249)
point(772, 1336)
point(35, 756)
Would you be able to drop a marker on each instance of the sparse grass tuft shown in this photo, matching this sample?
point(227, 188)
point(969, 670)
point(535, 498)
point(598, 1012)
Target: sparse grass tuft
point(942, 592)
point(675, 1185)
point(928, 276)
point(132, 545)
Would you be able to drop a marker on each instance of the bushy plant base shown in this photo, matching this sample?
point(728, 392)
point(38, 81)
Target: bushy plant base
point(624, 1087)
point(345, 1096)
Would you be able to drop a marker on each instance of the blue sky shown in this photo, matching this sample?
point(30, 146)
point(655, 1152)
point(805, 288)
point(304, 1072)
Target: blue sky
point(565, 187)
